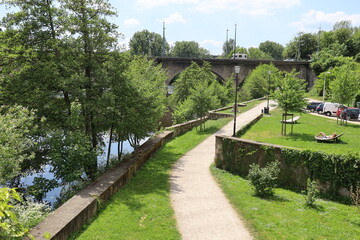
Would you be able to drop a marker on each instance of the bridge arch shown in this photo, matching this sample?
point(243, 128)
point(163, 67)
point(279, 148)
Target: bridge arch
point(224, 68)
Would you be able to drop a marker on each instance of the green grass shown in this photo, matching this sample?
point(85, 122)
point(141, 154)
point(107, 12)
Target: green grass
point(142, 209)
point(268, 129)
point(285, 215)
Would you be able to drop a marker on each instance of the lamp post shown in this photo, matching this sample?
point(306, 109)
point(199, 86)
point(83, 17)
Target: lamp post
point(268, 98)
point(237, 71)
point(324, 85)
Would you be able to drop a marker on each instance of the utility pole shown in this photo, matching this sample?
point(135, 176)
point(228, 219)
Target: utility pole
point(227, 41)
point(164, 41)
point(235, 42)
point(318, 46)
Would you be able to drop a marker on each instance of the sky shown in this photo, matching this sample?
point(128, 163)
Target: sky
point(208, 22)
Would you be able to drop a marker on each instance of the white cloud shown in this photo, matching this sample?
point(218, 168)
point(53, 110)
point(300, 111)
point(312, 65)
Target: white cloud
point(315, 18)
point(210, 42)
point(131, 22)
point(215, 47)
point(174, 18)
point(148, 4)
point(250, 7)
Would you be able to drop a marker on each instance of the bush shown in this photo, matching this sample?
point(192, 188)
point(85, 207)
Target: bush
point(10, 227)
point(30, 213)
point(264, 179)
point(312, 192)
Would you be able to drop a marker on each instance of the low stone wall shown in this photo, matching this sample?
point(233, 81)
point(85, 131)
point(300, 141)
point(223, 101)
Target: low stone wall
point(184, 127)
point(334, 173)
point(243, 104)
point(216, 115)
point(69, 217)
point(236, 155)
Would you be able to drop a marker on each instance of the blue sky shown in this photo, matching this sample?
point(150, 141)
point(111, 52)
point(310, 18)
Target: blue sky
point(206, 21)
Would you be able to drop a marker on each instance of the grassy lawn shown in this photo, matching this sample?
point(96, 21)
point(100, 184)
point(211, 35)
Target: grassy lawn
point(142, 209)
point(285, 215)
point(268, 129)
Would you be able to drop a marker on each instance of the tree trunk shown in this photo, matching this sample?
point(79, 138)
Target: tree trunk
point(109, 147)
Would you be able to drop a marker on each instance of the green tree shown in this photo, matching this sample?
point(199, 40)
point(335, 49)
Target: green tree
point(290, 94)
point(325, 60)
point(346, 84)
point(256, 53)
point(188, 49)
point(16, 143)
point(147, 43)
point(275, 50)
point(94, 37)
point(195, 81)
point(301, 47)
point(259, 81)
point(146, 104)
point(228, 47)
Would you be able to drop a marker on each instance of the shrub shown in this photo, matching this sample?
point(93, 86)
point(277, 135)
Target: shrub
point(10, 227)
point(264, 179)
point(30, 213)
point(312, 192)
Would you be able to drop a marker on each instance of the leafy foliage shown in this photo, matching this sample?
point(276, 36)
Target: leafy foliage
point(16, 143)
point(197, 91)
point(188, 49)
point(10, 227)
point(346, 84)
point(274, 49)
point(147, 43)
point(301, 47)
point(264, 179)
point(290, 92)
point(312, 192)
point(259, 82)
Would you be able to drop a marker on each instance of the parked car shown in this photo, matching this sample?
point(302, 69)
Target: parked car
point(330, 108)
point(319, 108)
point(312, 106)
point(350, 113)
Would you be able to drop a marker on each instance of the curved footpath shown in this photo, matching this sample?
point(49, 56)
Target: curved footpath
point(201, 208)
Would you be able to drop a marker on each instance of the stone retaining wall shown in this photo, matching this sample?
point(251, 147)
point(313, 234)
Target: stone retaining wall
point(69, 217)
point(236, 155)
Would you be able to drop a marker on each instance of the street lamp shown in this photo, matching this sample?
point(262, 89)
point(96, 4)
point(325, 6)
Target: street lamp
point(237, 71)
point(268, 98)
point(324, 85)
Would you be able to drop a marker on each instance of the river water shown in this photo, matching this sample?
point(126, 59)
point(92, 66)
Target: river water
point(52, 196)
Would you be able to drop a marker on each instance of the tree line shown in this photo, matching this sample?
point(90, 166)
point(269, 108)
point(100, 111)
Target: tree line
point(343, 39)
point(65, 83)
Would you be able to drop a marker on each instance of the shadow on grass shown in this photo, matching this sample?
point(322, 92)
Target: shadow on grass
point(316, 207)
point(273, 198)
point(301, 137)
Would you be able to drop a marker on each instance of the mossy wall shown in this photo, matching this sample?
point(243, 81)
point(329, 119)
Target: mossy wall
point(333, 172)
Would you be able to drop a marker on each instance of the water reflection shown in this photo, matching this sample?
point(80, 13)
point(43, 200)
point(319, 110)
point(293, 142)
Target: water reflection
point(53, 195)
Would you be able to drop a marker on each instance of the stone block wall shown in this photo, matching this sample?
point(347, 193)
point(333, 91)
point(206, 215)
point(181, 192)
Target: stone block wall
point(236, 155)
point(69, 217)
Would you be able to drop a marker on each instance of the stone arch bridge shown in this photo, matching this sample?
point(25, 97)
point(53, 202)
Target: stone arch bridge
point(224, 68)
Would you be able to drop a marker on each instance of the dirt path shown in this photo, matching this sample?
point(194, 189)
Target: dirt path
point(201, 209)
